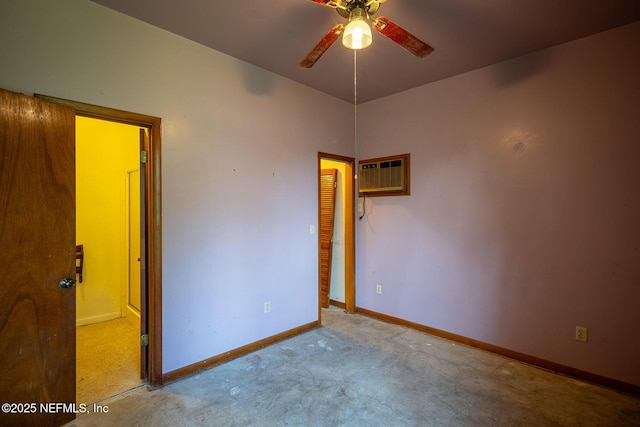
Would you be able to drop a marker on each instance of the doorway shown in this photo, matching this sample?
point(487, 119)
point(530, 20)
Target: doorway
point(341, 275)
point(108, 206)
point(39, 230)
point(150, 344)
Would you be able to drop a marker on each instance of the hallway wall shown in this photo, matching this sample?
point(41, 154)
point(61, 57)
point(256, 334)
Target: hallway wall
point(105, 151)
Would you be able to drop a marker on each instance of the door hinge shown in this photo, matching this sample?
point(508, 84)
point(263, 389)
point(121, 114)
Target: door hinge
point(144, 157)
point(144, 340)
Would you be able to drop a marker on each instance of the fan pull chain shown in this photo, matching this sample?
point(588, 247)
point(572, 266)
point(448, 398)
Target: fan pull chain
point(355, 100)
point(355, 77)
point(355, 114)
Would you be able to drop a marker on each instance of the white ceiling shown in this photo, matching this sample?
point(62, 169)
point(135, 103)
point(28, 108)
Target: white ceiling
point(466, 34)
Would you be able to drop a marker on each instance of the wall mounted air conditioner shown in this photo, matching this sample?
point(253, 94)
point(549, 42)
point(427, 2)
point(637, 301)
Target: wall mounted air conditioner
point(384, 176)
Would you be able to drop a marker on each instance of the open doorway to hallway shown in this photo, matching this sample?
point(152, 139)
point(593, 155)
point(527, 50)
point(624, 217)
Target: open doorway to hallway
point(151, 225)
point(108, 217)
point(336, 237)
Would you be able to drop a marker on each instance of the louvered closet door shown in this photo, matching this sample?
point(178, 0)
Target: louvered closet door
point(327, 214)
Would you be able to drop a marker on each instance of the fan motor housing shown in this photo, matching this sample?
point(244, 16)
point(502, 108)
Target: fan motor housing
point(350, 5)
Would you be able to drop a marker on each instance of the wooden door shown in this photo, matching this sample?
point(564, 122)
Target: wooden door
point(37, 251)
point(328, 179)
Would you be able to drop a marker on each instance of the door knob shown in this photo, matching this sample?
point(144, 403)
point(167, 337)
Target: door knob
point(67, 283)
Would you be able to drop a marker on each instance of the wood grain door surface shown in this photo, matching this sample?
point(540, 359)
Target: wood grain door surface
point(37, 250)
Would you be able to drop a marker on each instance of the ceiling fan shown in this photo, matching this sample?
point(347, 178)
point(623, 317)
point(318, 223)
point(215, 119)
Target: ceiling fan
point(357, 34)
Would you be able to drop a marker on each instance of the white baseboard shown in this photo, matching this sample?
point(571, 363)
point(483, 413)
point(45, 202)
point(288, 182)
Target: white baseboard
point(133, 316)
point(97, 319)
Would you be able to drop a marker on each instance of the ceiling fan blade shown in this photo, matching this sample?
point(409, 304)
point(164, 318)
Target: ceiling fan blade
point(331, 3)
point(322, 46)
point(404, 38)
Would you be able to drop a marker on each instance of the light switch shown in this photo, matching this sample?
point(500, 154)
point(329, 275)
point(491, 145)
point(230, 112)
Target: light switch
point(312, 229)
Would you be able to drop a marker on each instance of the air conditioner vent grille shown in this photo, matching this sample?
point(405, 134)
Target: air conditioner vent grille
point(384, 175)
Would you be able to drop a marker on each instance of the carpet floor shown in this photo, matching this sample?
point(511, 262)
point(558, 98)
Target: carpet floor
point(107, 359)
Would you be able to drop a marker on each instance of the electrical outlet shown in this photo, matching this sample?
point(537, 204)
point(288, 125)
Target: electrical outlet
point(379, 289)
point(581, 333)
point(267, 307)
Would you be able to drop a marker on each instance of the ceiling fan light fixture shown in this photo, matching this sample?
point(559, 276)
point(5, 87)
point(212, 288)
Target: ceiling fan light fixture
point(357, 34)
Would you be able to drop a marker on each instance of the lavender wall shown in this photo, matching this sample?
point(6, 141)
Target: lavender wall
point(523, 218)
point(524, 215)
point(239, 163)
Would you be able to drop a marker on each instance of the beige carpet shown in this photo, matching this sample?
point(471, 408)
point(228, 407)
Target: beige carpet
point(107, 359)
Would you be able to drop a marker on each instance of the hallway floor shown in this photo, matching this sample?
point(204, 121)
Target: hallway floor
point(107, 359)
point(359, 371)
